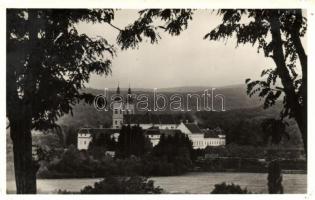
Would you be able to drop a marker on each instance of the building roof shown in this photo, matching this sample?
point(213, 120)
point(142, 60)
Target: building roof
point(193, 128)
point(149, 118)
point(213, 133)
point(156, 131)
point(210, 134)
point(170, 132)
point(96, 131)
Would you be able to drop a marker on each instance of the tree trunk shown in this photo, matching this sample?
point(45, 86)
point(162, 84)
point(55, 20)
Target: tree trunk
point(295, 34)
point(24, 166)
point(19, 112)
point(297, 25)
point(286, 80)
point(21, 119)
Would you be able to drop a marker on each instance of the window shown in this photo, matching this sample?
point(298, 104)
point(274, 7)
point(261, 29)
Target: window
point(84, 142)
point(116, 112)
point(115, 122)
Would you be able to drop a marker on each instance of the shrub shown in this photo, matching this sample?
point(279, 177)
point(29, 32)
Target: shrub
point(224, 188)
point(65, 192)
point(123, 185)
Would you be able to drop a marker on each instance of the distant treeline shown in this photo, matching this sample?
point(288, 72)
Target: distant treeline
point(246, 165)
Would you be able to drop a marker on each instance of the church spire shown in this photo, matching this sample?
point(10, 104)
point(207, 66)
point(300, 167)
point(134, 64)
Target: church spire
point(118, 89)
point(129, 90)
point(129, 95)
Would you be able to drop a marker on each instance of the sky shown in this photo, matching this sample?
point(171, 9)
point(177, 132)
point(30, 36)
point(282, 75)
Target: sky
point(177, 61)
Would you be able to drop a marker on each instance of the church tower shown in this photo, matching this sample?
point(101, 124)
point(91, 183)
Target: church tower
point(130, 106)
point(118, 108)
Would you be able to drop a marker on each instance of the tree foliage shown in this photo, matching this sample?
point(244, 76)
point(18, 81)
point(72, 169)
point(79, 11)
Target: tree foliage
point(132, 141)
point(274, 129)
point(99, 145)
point(49, 61)
point(255, 29)
point(172, 146)
point(123, 185)
point(172, 21)
point(172, 155)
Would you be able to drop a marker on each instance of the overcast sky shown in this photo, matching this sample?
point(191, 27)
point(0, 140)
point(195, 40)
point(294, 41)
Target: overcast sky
point(185, 60)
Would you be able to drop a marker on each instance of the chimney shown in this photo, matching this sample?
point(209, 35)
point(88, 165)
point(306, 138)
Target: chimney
point(101, 126)
point(186, 121)
point(195, 121)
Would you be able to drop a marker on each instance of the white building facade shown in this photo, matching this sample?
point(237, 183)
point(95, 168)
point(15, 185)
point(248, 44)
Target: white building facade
point(199, 137)
point(84, 139)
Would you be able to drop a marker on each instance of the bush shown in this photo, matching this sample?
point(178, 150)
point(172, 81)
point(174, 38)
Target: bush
point(65, 192)
point(123, 185)
point(223, 188)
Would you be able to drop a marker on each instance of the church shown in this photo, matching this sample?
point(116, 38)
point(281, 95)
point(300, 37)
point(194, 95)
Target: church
point(154, 125)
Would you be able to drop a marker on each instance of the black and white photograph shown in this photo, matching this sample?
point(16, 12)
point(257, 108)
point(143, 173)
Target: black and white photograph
point(156, 100)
